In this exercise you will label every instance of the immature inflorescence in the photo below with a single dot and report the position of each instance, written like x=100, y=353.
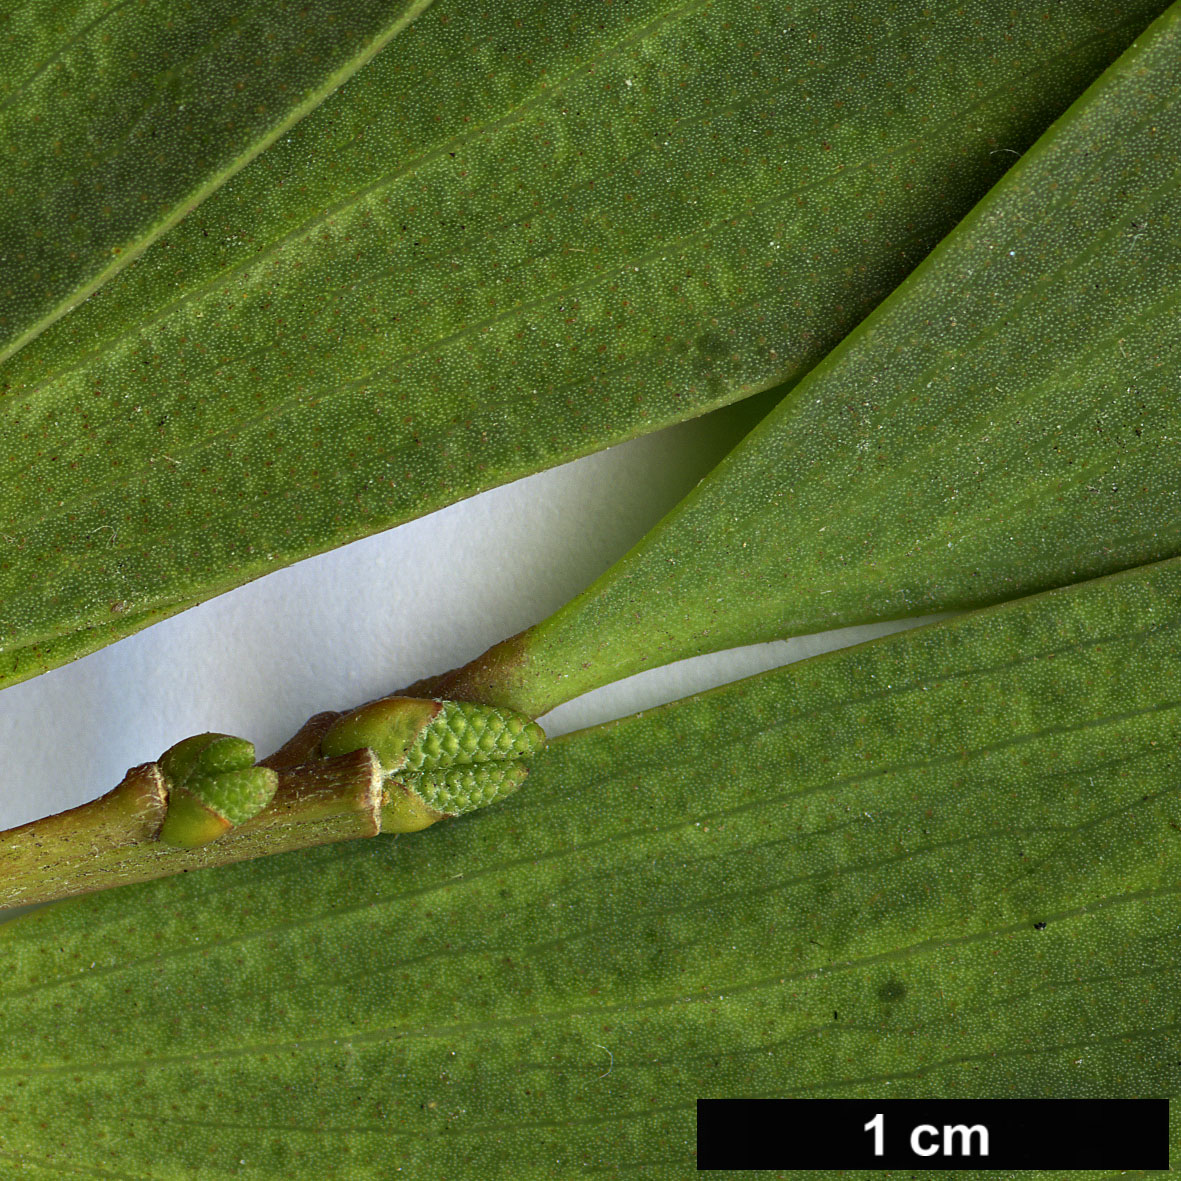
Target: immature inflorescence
x=439, y=758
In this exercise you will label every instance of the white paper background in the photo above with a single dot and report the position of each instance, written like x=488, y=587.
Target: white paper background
x=368, y=619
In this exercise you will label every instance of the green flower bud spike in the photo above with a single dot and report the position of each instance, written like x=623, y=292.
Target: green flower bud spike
x=212, y=785
x=438, y=758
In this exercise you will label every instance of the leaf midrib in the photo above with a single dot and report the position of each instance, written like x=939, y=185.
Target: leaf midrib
x=38, y=71
x=152, y=233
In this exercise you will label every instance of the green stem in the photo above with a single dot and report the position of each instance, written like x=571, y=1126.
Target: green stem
x=396, y=765
x=113, y=840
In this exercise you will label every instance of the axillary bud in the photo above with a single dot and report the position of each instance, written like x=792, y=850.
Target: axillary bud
x=213, y=785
